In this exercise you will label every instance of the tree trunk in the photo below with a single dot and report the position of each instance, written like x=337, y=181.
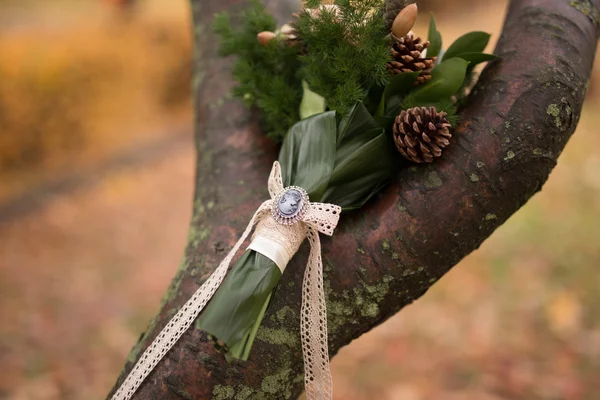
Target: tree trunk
x=517, y=121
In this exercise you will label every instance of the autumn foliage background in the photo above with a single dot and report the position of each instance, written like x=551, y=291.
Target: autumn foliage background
x=96, y=173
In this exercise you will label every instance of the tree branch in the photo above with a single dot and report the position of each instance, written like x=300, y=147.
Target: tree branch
x=519, y=118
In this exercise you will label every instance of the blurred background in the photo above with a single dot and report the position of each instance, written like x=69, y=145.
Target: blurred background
x=96, y=174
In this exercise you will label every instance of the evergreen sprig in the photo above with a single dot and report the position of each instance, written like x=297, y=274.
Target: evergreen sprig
x=340, y=52
x=347, y=50
x=267, y=76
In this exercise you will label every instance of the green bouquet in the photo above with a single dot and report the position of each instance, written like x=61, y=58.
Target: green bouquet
x=342, y=157
x=353, y=94
x=341, y=163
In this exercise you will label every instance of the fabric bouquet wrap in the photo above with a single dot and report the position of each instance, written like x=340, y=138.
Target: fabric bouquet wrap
x=341, y=146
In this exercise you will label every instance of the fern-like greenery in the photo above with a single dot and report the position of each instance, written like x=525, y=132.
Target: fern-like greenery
x=342, y=55
x=347, y=50
x=268, y=77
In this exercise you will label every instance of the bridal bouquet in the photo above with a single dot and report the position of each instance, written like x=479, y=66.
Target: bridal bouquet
x=351, y=92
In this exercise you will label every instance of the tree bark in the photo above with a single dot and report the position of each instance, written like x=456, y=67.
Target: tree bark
x=516, y=123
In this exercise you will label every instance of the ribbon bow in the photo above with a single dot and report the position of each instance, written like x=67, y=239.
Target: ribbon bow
x=314, y=218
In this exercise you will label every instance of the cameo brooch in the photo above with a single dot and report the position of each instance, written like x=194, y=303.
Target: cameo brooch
x=290, y=205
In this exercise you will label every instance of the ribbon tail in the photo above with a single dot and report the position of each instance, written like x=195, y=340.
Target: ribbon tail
x=183, y=319
x=313, y=325
x=275, y=180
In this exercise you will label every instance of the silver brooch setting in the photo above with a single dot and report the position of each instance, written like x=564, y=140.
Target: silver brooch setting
x=290, y=205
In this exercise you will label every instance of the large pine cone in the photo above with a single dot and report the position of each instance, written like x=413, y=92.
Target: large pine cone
x=391, y=8
x=421, y=133
x=406, y=57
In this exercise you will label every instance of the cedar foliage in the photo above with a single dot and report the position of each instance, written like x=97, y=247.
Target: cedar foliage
x=267, y=76
x=341, y=51
x=342, y=55
x=347, y=50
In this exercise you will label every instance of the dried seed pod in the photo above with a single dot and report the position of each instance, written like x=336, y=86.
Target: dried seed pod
x=404, y=21
x=391, y=8
x=265, y=37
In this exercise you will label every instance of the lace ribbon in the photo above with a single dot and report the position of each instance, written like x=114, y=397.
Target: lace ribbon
x=320, y=217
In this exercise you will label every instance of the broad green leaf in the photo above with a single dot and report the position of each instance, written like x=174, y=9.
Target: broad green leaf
x=356, y=178
x=308, y=153
x=289, y=153
x=355, y=142
x=312, y=103
x=446, y=79
x=381, y=107
x=353, y=195
x=475, y=58
x=399, y=85
x=373, y=98
x=435, y=39
x=386, y=122
x=358, y=119
x=356, y=129
x=238, y=306
x=393, y=106
x=359, y=161
x=472, y=42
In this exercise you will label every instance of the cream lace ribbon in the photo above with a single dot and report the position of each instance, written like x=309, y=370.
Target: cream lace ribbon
x=320, y=217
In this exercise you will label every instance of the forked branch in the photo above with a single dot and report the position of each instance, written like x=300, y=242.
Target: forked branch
x=516, y=123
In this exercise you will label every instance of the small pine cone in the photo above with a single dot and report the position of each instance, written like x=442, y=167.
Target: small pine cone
x=421, y=133
x=391, y=8
x=406, y=57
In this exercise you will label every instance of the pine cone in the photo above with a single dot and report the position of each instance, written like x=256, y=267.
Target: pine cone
x=391, y=8
x=421, y=133
x=406, y=57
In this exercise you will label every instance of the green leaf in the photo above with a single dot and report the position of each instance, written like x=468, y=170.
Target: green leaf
x=238, y=306
x=358, y=119
x=472, y=42
x=435, y=39
x=288, y=154
x=446, y=80
x=381, y=107
x=475, y=58
x=353, y=195
x=354, y=165
x=355, y=142
x=399, y=85
x=386, y=121
x=307, y=155
x=312, y=103
x=355, y=130
x=361, y=174
x=373, y=98
x=393, y=106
